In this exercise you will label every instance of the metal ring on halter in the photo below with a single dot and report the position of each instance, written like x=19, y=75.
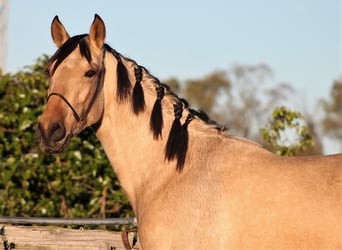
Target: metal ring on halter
x=77, y=117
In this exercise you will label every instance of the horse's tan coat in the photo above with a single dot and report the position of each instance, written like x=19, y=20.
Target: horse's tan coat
x=231, y=194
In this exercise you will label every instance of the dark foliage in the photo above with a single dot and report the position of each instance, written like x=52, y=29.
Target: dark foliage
x=77, y=183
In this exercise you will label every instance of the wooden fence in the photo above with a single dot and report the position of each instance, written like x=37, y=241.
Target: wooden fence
x=28, y=233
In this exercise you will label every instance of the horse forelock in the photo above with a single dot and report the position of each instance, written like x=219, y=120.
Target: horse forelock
x=67, y=48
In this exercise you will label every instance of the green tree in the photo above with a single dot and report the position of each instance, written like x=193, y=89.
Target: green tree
x=287, y=133
x=332, y=121
x=235, y=97
x=253, y=97
x=242, y=98
x=203, y=93
x=77, y=183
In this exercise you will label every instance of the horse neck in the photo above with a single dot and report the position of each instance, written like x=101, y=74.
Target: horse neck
x=136, y=156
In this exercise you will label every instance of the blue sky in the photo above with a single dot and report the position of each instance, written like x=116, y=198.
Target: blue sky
x=299, y=39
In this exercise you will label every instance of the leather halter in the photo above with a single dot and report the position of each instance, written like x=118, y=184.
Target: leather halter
x=81, y=117
x=77, y=117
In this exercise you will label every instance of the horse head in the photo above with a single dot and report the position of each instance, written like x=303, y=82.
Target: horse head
x=75, y=95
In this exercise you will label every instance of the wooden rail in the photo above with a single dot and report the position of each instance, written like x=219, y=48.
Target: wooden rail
x=51, y=237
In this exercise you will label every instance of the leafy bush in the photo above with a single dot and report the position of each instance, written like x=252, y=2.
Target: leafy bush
x=77, y=183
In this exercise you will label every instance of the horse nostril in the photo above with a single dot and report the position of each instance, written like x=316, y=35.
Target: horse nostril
x=57, y=131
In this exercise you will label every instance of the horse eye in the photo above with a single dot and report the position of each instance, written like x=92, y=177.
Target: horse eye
x=90, y=73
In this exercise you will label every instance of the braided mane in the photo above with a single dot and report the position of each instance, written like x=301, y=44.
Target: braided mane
x=177, y=143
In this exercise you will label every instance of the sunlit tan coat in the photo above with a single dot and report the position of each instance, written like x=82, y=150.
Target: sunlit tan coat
x=229, y=194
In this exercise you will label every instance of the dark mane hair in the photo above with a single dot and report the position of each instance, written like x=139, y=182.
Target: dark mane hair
x=124, y=84
x=67, y=48
x=177, y=143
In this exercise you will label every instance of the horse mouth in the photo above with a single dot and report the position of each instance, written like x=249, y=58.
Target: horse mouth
x=53, y=150
x=56, y=147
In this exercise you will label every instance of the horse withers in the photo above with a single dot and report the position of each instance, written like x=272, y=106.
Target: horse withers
x=190, y=184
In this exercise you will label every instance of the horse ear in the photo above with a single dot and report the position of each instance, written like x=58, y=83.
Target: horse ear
x=97, y=33
x=58, y=32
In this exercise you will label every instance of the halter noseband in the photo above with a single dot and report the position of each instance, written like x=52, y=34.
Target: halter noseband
x=77, y=117
x=81, y=117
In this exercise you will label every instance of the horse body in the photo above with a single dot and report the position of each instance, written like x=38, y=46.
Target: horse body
x=243, y=202
x=225, y=193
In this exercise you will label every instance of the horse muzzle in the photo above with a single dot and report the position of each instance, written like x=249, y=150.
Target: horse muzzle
x=53, y=137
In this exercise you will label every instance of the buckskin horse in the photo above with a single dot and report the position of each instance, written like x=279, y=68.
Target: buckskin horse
x=190, y=183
